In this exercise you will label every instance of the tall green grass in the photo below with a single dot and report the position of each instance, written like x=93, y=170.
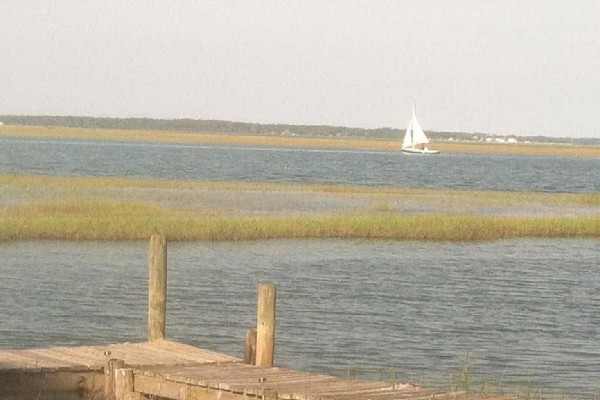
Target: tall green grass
x=113, y=220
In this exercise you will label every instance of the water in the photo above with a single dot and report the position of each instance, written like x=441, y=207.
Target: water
x=348, y=167
x=526, y=311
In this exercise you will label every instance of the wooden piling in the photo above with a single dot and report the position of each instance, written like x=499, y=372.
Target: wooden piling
x=265, y=325
x=157, y=288
x=109, y=377
x=123, y=383
x=250, y=349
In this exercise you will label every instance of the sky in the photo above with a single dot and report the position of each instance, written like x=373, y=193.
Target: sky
x=503, y=67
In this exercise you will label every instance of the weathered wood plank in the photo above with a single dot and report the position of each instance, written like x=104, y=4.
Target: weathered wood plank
x=207, y=371
x=395, y=395
x=134, y=353
x=156, y=386
x=342, y=387
x=276, y=380
x=282, y=385
x=76, y=356
x=195, y=354
x=200, y=393
x=41, y=358
x=301, y=389
x=372, y=393
x=96, y=354
x=155, y=353
x=169, y=356
x=11, y=359
x=241, y=378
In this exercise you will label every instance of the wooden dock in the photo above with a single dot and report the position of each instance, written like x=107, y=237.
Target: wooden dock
x=160, y=368
x=171, y=370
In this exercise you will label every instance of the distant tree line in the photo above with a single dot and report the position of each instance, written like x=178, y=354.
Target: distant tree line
x=230, y=127
x=197, y=125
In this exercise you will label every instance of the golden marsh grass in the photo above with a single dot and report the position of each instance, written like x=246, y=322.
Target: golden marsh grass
x=41, y=207
x=47, y=184
x=209, y=138
x=105, y=220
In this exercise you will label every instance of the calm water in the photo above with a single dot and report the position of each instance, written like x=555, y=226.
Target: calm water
x=190, y=162
x=527, y=311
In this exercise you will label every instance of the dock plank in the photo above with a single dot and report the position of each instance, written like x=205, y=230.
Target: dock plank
x=14, y=359
x=175, y=370
x=199, y=355
x=286, y=383
x=160, y=352
x=42, y=358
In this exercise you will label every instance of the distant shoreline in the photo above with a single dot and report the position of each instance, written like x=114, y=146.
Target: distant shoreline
x=219, y=138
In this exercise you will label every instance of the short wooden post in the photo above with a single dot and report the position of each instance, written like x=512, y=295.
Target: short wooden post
x=250, y=349
x=109, y=377
x=123, y=383
x=157, y=288
x=265, y=325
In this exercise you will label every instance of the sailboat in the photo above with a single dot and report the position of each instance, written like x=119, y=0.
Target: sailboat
x=415, y=139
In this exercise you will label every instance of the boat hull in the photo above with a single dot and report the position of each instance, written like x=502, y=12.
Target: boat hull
x=411, y=150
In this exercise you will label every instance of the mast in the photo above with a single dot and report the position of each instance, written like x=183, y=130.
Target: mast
x=412, y=131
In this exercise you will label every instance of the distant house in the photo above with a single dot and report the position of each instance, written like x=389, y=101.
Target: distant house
x=511, y=140
x=1, y=123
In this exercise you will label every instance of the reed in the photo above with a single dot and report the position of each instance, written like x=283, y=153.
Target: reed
x=129, y=209
x=519, y=148
x=211, y=138
x=113, y=220
x=49, y=186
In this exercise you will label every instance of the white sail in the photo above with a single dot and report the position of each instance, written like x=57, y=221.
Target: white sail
x=415, y=138
x=408, y=136
x=418, y=133
x=414, y=134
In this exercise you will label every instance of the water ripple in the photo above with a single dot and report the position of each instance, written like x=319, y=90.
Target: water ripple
x=524, y=313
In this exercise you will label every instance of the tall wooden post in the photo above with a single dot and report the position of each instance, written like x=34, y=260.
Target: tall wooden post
x=265, y=325
x=157, y=288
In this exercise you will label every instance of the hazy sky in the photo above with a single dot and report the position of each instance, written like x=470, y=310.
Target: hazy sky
x=505, y=67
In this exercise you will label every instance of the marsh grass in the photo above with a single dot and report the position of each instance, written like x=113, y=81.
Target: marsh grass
x=382, y=196
x=114, y=220
x=203, y=138
x=521, y=148
x=42, y=207
x=208, y=138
